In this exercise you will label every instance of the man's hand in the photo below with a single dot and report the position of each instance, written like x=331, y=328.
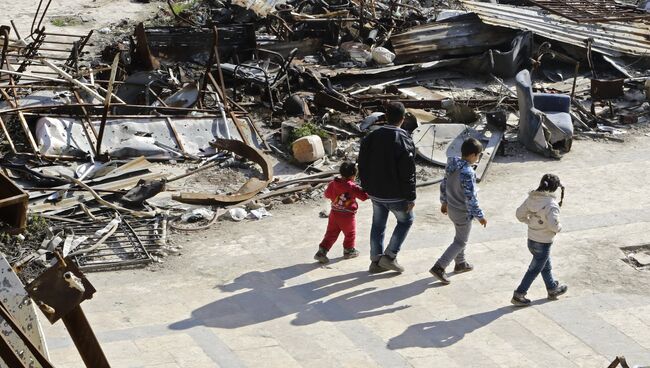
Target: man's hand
x=443, y=208
x=410, y=206
x=483, y=221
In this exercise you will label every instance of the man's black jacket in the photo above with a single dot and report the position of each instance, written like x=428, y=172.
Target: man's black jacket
x=387, y=164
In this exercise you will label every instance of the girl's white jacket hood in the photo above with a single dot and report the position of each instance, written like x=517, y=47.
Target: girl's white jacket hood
x=542, y=214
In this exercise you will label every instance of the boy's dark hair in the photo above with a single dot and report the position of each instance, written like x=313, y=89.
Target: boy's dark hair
x=348, y=169
x=470, y=147
x=395, y=112
x=550, y=183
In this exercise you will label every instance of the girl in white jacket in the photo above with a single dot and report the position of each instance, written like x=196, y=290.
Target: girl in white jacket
x=541, y=213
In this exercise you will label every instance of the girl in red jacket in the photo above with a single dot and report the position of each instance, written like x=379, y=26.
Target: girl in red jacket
x=343, y=193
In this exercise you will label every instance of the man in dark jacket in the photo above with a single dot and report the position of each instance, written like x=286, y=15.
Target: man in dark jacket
x=387, y=173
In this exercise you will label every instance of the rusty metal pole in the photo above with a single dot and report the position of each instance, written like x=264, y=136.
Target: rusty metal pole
x=84, y=339
x=218, y=60
x=107, y=104
x=575, y=79
x=208, y=70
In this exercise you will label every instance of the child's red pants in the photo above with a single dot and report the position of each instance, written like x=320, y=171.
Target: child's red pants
x=340, y=222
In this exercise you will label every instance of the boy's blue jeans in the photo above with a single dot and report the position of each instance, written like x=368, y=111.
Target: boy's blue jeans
x=380, y=212
x=541, y=263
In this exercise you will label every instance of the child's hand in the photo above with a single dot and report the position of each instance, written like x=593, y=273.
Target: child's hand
x=483, y=221
x=443, y=208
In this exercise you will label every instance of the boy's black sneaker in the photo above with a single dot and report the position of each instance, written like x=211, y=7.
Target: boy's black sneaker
x=321, y=257
x=463, y=267
x=439, y=273
x=557, y=291
x=376, y=268
x=350, y=253
x=390, y=264
x=520, y=300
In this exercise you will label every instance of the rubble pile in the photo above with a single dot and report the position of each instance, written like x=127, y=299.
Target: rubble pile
x=221, y=110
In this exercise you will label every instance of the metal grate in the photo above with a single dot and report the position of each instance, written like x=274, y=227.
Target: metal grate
x=127, y=246
x=591, y=11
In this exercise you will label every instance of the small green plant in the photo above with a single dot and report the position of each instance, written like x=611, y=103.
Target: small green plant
x=59, y=22
x=36, y=226
x=66, y=20
x=308, y=129
x=182, y=6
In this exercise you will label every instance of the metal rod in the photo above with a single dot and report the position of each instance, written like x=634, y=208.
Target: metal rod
x=40, y=3
x=575, y=79
x=84, y=339
x=107, y=103
x=6, y=133
x=70, y=79
x=58, y=42
x=63, y=34
x=13, y=25
x=44, y=13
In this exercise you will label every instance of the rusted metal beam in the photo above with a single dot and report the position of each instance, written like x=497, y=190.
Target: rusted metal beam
x=6, y=133
x=23, y=122
x=84, y=339
x=107, y=104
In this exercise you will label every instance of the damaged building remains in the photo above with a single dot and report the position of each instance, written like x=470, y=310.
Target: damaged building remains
x=221, y=110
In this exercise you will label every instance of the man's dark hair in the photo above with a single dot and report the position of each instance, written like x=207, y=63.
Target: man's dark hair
x=471, y=146
x=348, y=169
x=395, y=112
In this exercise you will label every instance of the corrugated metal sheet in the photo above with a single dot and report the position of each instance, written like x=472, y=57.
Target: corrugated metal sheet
x=591, y=11
x=437, y=41
x=612, y=38
x=260, y=7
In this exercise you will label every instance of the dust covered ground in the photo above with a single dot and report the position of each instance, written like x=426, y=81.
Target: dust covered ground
x=249, y=294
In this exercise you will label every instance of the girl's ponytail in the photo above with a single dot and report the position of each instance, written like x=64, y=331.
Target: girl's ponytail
x=550, y=183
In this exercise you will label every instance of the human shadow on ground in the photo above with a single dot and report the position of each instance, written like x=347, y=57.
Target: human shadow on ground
x=363, y=303
x=266, y=297
x=440, y=334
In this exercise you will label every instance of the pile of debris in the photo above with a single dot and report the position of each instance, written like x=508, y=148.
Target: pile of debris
x=224, y=109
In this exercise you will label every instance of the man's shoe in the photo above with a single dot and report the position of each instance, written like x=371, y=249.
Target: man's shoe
x=376, y=268
x=350, y=253
x=321, y=257
x=439, y=273
x=557, y=291
x=519, y=300
x=390, y=264
x=463, y=267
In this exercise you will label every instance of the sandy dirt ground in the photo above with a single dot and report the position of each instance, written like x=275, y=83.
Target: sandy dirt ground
x=250, y=295
x=92, y=14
